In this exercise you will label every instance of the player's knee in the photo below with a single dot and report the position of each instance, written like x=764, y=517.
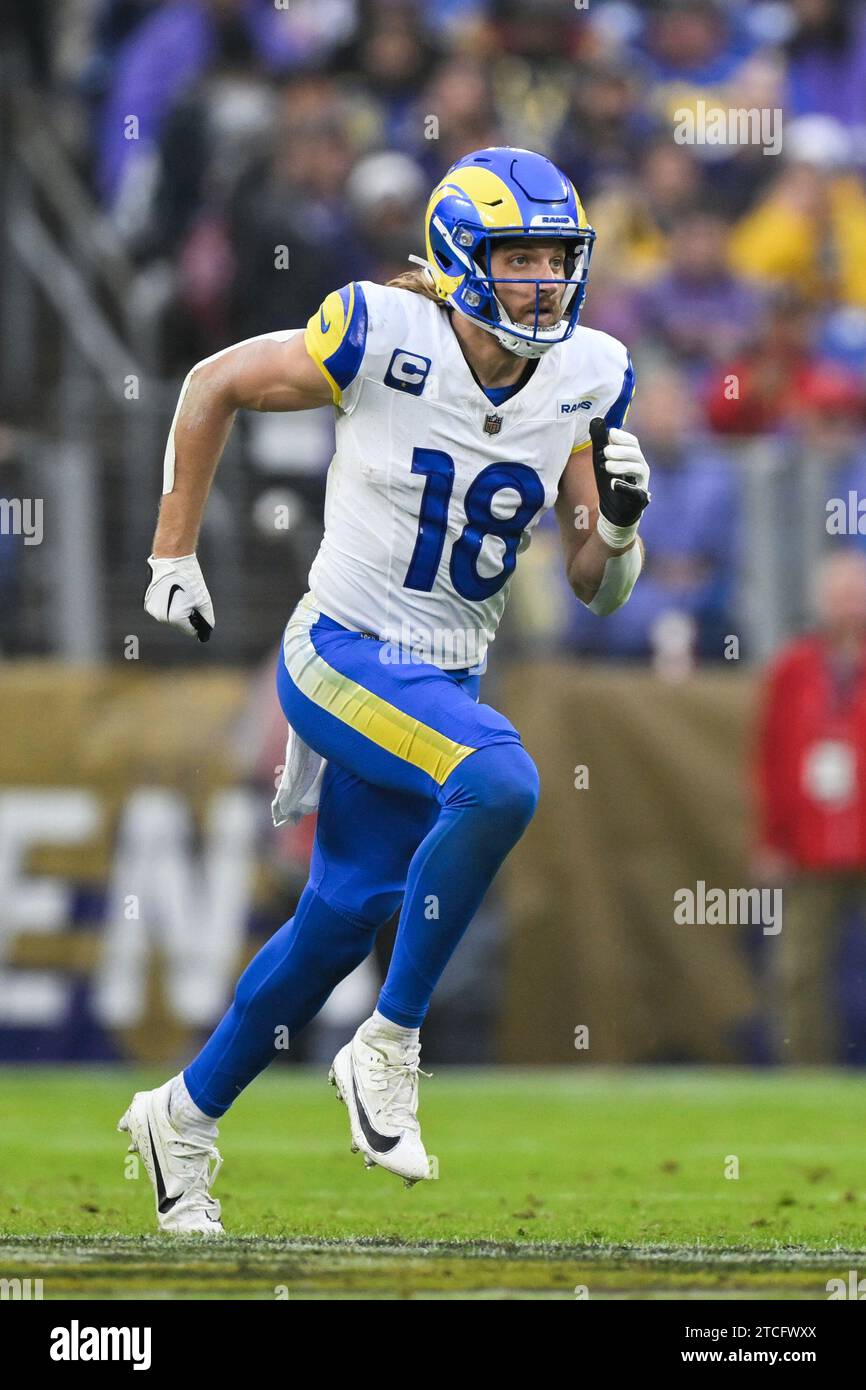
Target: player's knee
x=518, y=789
x=503, y=780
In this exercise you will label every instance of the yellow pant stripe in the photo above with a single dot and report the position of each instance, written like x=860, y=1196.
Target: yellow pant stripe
x=383, y=723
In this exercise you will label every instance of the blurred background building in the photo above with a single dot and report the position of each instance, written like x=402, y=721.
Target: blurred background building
x=177, y=175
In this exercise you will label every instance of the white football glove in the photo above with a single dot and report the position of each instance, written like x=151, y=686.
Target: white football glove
x=621, y=472
x=625, y=456
x=178, y=595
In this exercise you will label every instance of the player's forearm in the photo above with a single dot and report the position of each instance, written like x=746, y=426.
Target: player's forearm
x=199, y=432
x=586, y=574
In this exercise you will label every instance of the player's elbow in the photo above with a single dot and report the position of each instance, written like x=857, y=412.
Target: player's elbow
x=618, y=579
x=205, y=390
x=217, y=385
x=603, y=605
x=582, y=582
x=583, y=588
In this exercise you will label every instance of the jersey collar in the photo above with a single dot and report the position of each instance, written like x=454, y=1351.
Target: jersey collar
x=462, y=387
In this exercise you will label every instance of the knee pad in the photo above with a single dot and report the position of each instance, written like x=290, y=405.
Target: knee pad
x=501, y=779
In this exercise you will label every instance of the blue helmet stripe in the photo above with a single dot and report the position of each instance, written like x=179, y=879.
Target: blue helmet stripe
x=344, y=364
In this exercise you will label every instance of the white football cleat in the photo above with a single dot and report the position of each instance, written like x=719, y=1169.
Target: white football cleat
x=377, y=1080
x=178, y=1163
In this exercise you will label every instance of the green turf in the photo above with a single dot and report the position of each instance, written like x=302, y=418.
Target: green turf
x=547, y=1180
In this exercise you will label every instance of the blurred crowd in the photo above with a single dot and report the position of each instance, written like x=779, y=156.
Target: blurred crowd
x=215, y=132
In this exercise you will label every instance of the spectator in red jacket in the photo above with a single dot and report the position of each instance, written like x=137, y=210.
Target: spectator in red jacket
x=811, y=793
x=758, y=391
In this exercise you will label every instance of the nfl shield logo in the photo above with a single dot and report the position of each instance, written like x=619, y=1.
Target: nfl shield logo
x=493, y=424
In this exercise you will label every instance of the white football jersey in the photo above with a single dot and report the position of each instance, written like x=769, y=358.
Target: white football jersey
x=434, y=491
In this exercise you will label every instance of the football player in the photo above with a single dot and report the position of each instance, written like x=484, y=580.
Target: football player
x=468, y=402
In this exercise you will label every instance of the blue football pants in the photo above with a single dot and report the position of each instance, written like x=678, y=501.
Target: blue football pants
x=424, y=794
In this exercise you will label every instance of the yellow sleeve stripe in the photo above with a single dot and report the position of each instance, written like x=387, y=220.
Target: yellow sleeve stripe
x=336, y=336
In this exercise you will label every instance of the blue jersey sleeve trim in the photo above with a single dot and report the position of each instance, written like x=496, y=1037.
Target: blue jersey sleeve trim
x=345, y=363
x=617, y=413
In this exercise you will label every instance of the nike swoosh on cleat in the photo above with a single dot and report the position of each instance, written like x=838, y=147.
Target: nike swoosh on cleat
x=164, y=1203
x=379, y=1143
x=175, y=589
x=323, y=322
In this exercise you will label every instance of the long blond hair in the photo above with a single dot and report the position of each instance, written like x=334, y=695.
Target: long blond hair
x=418, y=281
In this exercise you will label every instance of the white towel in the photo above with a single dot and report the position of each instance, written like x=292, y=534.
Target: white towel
x=301, y=782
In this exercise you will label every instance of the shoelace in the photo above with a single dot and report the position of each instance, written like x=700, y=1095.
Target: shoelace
x=201, y=1153
x=403, y=1077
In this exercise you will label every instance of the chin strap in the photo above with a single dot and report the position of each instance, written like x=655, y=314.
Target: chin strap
x=425, y=266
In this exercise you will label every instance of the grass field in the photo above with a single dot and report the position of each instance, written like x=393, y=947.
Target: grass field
x=548, y=1180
